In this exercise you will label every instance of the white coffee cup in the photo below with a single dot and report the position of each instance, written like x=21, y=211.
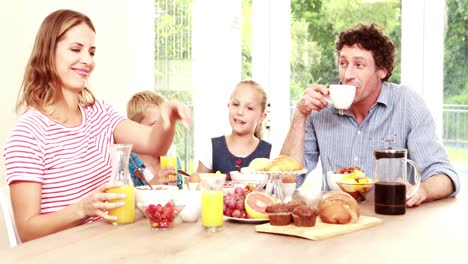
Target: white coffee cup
x=342, y=95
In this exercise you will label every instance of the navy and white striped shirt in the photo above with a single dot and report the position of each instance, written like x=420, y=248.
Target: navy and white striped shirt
x=399, y=115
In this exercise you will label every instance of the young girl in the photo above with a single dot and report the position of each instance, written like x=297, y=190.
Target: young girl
x=57, y=160
x=144, y=108
x=246, y=114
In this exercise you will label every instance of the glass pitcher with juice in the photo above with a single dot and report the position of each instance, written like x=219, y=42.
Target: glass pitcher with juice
x=120, y=154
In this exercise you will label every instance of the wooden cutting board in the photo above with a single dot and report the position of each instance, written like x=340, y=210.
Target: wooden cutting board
x=320, y=230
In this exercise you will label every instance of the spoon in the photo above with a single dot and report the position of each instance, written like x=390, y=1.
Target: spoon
x=183, y=172
x=139, y=174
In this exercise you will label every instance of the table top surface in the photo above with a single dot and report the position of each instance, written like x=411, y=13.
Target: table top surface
x=434, y=232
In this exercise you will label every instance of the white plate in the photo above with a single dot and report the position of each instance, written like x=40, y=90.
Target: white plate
x=276, y=173
x=246, y=220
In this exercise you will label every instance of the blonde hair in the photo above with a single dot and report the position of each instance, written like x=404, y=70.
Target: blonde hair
x=139, y=103
x=263, y=103
x=41, y=83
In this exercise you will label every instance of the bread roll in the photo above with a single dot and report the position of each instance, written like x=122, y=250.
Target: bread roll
x=260, y=164
x=285, y=163
x=337, y=207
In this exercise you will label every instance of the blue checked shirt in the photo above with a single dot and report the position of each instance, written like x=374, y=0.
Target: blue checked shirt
x=399, y=119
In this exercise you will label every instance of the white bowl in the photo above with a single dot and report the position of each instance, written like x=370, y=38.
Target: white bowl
x=193, y=186
x=192, y=200
x=260, y=179
x=332, y=178
x=160, y=194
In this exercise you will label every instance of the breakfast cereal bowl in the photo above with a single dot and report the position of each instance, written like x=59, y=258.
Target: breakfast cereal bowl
x=161, y=216
x=160, y=194
x=357, y=190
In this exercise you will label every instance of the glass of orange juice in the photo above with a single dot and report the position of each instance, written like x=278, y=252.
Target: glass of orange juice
x=212, y=201
x=169, y=161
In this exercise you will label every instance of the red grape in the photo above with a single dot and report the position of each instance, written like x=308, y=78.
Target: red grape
x=236, y=213
x=227, y=212
x=239, y=190
x=240, y=205
x=243, y=214
x=232, y=204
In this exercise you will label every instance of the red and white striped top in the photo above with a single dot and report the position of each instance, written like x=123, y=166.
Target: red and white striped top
x=69, y=162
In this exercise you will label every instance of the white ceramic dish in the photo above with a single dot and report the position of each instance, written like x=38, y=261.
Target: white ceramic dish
x=246, y=220
x=260, y=179
x=247, y=170
x=160, y=194
x=332, y=178
x=192, y=201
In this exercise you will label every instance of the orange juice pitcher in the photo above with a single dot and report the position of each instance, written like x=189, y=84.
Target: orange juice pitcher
x=120, y=154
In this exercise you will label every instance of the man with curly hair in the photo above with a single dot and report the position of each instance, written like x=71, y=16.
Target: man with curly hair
x=382, y=115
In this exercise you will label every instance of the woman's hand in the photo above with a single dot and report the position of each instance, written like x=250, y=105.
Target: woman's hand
x=172, y=111
x=97, y=202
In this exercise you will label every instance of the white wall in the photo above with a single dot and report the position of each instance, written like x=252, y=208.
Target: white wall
x=270, y=63
x=122, y=61
x=216, y=66
x=422, y=52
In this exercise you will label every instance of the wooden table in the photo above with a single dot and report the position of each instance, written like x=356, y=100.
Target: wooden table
x=435, y=232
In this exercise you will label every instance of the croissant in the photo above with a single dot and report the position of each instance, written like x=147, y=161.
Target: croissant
x=337, y=207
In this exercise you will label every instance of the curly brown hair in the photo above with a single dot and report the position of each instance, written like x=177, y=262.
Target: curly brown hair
x=371, y=38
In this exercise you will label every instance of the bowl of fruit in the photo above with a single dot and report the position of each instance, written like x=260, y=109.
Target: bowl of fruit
x=356, y=184
x=161, y=216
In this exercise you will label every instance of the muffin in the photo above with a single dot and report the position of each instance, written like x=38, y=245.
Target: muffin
x=295, y=203
x=278, y=214
x=304, y=216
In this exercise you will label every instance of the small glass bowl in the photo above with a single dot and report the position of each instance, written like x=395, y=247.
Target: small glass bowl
x=161, y=217
x=358, y=191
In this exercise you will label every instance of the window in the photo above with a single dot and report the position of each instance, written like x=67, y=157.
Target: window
x=173, y=63
x=455, y=117
x=314, y=26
